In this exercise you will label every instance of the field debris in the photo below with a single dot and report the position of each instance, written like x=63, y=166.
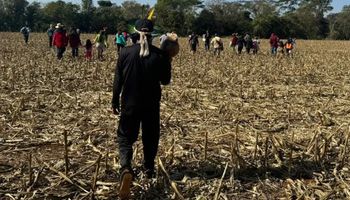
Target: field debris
x=233, y=127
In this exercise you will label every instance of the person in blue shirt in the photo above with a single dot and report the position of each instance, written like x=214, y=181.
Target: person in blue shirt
x=120, y=41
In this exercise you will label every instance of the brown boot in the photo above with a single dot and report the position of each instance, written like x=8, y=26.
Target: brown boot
x=125, y=184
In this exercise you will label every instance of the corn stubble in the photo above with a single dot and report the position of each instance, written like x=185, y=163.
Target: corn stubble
x=234, y=127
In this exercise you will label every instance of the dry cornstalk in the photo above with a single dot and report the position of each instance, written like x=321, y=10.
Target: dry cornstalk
x=94, y=179
x=344, y=154
x=61, y=174
x=291, y=154
x=66, y=159
x=30, y=168
x=205, y=146
x=266, y=152
x=217, y=193
x=172, y=183
x=256, y=145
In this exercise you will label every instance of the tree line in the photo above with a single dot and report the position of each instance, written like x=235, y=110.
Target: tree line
x=306, y=19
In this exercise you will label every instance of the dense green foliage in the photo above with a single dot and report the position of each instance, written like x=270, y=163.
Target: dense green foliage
x=309, y=19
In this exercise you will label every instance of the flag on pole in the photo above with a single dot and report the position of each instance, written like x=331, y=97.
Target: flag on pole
x=151, y=14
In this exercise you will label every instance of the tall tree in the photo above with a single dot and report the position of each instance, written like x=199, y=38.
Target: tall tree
x=230, y=17
x=105, y=3
x=87, y=5
x=133, y=10
x=176, y=14
x=340, y=24
x=33, y=15
x=15, y=11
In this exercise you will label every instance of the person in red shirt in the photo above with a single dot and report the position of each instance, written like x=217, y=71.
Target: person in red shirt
x=233, y=42
x=274, y=43
x=60, y=40
x=74, y=41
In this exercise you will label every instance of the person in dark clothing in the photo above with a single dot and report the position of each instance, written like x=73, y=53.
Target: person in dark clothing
x=74, y=41
x=25, y=31
x=207, y=38
x=140, y=71
x=134, y=37
x=240, y=44
x=193, y=41
x=248, y=43
x=50, y=33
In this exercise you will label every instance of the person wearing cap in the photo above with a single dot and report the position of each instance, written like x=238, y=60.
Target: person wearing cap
x=141, y=70
x=50, y=33
x=25, y=31
x=60, y=40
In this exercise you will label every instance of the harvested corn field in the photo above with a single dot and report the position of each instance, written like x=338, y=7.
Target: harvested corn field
x=232, y=127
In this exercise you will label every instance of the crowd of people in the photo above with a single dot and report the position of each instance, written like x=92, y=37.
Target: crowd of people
x=59, y=39
x=239, y=43
x=212, y=43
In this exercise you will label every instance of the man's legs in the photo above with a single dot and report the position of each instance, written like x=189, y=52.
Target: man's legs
x=26, y=37
x=75, y=52
x=50, y=41
x=150, y=136
x=129, y=125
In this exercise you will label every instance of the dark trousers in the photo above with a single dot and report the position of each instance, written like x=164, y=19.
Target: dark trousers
x=207, y=46
x=59, y=52
x=50, y=41
x=130, y=121
x=240, y=48
x=75, y=52
x=119, y=46
x=26, y=37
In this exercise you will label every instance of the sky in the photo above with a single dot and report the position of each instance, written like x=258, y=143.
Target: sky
x=337, y=4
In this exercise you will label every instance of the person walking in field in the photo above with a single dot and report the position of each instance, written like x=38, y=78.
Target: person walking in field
x=25, y=32
x=193, y=42
x=60, y=40
x=289, y=46
x=120, y=41
x=101, y=43
x=240, y=44
x=140, y=71
x=280, y=48
x=256, y=45
x=274, y=43
x=217, y=44
x=207, y=38
x=50, y=33
x=88, y=49
x=248, y=43
x=233, y=42
x=74, y=41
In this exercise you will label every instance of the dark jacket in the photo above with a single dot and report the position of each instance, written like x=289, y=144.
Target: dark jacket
x=74, y=40
x=139, y=79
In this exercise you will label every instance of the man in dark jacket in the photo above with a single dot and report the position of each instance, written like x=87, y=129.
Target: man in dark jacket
x=140, y=71
x=74, y=41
